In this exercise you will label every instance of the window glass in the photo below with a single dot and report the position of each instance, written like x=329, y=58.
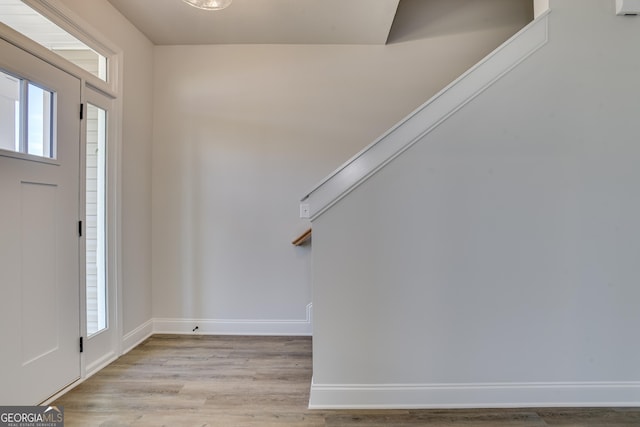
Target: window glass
x=96, y=276
x=26, y=117
x=9, y=112
x=39, y=121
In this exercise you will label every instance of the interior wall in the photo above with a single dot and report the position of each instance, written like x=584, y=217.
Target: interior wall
x=242, y=131
x=137, y=104
x=494, y=263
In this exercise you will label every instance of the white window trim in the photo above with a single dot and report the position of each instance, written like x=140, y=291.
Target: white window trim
x=66, y=19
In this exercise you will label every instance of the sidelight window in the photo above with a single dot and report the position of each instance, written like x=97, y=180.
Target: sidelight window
x=96, y=273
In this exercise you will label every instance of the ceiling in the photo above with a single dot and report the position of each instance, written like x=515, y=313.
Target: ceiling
x=171, y=22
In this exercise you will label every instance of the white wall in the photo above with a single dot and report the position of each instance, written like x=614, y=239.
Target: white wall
x=495, y=263
x=540, y=6
x=136, y=154
x=9, y=94
x=240, y=132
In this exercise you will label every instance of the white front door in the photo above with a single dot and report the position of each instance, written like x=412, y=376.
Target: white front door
x=39, y=242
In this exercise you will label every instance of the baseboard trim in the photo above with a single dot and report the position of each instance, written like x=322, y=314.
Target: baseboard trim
x=97, y=366
x=294, y=327
x=132, y=339
x=499, y=395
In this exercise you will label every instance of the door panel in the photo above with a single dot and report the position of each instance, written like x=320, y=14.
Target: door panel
x=39, y=248
x=39, y=280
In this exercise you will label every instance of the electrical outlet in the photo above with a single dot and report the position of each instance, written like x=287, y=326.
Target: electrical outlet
x=304, y=210
x=627, y=7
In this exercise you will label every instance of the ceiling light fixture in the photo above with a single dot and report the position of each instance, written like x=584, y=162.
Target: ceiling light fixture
x=208, y=4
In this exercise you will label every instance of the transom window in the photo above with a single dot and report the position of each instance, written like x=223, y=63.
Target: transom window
x=25, y=20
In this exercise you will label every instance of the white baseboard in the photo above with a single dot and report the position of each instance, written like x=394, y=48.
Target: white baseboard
x=503, y=395
x=135, y=337
x=96, y=366
x=294, y=327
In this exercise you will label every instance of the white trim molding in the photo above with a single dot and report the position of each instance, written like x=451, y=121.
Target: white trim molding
x=134, y=338
x=58, y=13
x=485, y=395
x=540, y=7
x=285, y=327
x=426, y=118
x=102, y=362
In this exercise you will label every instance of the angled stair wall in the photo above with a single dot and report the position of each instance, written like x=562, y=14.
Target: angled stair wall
x=483, y=253
x=426, y=118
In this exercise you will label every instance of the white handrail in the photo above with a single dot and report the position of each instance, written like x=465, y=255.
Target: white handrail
x=426, y=118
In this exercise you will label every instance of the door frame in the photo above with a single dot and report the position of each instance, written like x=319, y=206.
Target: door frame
x=73, y=24
x=104, y=346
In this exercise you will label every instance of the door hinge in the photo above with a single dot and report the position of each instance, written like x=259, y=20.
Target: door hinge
x=80, y=228
x=81, y=345
x=81, y=111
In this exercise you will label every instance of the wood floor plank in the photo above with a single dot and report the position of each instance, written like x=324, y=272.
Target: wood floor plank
x=231, y=381
x=438, y=418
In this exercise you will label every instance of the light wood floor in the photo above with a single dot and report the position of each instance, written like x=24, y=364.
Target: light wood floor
x=190, y=381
